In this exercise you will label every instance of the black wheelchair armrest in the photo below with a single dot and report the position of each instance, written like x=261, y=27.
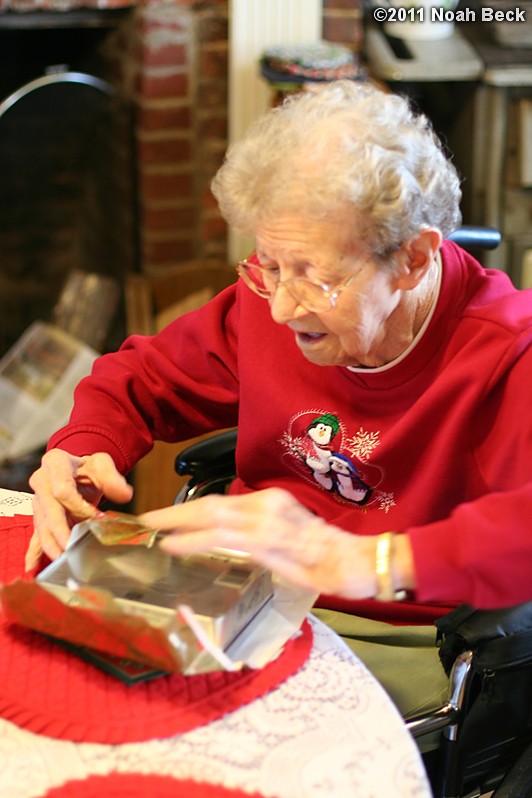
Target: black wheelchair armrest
x=211, y=458
x=471, y=237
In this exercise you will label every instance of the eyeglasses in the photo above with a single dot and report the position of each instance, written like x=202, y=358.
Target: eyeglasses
x=314, y=297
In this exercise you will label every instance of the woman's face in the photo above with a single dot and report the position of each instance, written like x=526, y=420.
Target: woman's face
x=366, y=326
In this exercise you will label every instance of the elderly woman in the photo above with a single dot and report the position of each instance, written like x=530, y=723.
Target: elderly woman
x=376, y=372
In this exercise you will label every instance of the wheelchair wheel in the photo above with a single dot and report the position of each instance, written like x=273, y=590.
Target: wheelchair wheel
x=518, y=781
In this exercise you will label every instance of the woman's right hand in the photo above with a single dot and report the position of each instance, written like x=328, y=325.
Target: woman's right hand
x=68, y=489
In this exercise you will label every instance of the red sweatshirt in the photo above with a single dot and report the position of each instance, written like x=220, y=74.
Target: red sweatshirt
x=437, y=445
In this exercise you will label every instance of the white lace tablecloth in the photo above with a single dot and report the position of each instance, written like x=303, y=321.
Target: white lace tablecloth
x=329, y=731
x=13, y=502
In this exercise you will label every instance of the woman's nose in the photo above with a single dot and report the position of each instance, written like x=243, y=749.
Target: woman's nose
x=284, y=307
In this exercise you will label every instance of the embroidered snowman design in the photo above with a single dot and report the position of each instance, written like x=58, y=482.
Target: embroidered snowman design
x=318, y=450
x=346, y=479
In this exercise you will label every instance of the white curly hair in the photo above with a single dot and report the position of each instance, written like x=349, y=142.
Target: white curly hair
x=347, y=144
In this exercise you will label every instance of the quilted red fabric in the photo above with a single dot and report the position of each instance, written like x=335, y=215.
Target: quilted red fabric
x=50, y=691
x=126, y=785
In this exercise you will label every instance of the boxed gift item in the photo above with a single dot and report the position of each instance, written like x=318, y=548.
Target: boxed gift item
x=114, y=590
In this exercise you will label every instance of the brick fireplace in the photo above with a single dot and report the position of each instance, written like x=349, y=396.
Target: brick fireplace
x=172, y=58
x=168, y=61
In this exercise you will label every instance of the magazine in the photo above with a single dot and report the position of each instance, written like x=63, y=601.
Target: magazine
x=37, y=380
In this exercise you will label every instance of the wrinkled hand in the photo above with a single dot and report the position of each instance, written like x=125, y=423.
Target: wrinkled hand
x=279, y=533
x=67, y=490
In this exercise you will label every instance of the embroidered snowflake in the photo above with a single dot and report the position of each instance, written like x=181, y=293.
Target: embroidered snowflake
x=292, y=445
x=386, y=501
x=363, y=443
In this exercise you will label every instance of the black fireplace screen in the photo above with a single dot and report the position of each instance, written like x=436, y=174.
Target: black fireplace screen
x=66, y=192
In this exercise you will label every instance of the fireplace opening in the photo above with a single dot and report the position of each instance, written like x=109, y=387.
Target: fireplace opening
x=68, y=192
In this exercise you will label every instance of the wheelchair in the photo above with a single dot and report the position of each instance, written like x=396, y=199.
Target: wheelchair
x=476, y=746
x=479, y=742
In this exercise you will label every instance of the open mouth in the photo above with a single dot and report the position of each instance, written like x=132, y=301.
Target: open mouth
x=309, y=337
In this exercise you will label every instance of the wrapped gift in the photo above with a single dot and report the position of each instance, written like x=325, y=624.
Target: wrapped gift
x=115, y=591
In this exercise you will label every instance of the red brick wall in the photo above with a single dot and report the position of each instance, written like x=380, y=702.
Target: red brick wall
x=342, y=22
x=172, y=58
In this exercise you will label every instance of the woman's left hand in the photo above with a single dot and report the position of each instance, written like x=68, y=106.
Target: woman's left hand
x=279, y=533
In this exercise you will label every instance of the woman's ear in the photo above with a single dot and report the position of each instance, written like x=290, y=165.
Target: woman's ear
x=420, y=252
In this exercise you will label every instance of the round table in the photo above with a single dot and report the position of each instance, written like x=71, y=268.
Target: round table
x=328, y=731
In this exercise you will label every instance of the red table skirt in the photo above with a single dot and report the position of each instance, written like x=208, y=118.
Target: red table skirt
x=135, y=785
x=48, y=690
